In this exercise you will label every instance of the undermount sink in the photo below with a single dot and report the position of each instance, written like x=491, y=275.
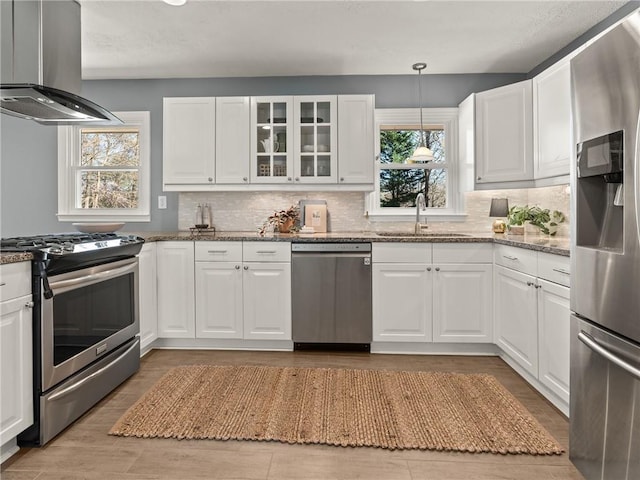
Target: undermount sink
x=424, y=234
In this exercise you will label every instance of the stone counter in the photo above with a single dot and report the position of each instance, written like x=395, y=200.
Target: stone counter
x=541, y=243
x=14, y=257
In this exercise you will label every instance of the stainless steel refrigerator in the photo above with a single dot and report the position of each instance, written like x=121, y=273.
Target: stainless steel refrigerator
x=605, y=257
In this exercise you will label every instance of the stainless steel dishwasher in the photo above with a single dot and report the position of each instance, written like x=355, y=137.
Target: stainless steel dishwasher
x=331, y=295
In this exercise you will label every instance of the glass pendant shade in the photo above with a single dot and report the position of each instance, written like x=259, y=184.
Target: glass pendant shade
x=421, y=154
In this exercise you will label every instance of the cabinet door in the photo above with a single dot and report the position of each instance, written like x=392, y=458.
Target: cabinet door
x=271, y=139
x=16, y=367
x=148, y=295
x=315, y=139
x=355, y=139
x=402, y=302
x=504, y=134
x=267, y=300
x=218, y=300
x=466, y=143
x=188, y=142
x=553, y=333
x=552, y=121
x=516, y=325
x=232, y=149
x=176, y=304
x=462, y=303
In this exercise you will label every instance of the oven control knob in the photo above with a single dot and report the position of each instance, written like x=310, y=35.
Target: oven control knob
x=67, y=247
x=55, y=249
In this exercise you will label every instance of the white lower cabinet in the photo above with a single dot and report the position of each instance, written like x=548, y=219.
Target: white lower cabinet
x=532, y=317
x=554, y=338
x=421, y=302
x=219, y=300
x=16, y=360
x=462, y=303
x=516, y=317
x=176, y=306
x=148, y=295
x=401, y=302
x=267, y=300
x=243, y=290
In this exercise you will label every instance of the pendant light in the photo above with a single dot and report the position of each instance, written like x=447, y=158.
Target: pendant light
x=422, y=154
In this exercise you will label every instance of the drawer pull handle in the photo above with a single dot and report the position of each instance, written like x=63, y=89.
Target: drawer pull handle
x=561, y=270
x=216, y=251
x=265, y=251
x=3, y=284
x=509, y=257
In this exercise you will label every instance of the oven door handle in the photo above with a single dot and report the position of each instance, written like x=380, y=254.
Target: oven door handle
x=593, y=344
x=92, y=278
x=77, y=385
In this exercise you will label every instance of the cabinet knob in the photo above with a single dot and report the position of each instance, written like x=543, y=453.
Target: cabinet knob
x=211, y=179
x=237, y=267
x=437, y=269
x=244, y=179
x=297, y=179
x=479, y=178
x=289, y=179
x=246, y=267
x=538, y=286
x=342, y=179
x=29, y=304
x=428, y=269
x=529, y=284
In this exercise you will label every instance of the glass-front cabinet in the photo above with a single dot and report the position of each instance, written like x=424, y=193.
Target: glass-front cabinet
x=315, y=140
x=271, y=139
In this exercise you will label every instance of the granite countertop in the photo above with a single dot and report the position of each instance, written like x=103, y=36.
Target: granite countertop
x=540, y=243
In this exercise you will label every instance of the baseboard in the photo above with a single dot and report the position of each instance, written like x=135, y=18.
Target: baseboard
x=8, y=449
x=426, y=348
x=223, y=344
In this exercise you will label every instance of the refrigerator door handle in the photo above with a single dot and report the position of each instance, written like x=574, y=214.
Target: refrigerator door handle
x=590, y=342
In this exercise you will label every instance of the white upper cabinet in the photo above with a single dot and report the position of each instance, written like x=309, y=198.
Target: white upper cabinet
x=355, y=139
x=233, y=121
x=315, y=139
x=552, y=121
x=504, y=134
x=271, y=139
x=188, y=142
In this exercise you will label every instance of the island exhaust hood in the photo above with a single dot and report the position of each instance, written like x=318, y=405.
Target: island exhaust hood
x=41, y=64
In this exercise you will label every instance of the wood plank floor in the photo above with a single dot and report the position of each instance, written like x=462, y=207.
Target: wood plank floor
x=85, y=451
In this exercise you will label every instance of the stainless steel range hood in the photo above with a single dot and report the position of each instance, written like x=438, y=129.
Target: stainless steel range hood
x=41, y=64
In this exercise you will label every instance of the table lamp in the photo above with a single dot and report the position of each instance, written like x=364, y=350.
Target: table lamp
x=499, y=208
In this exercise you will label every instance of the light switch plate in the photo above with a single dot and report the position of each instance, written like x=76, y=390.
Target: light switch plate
x=162, y=202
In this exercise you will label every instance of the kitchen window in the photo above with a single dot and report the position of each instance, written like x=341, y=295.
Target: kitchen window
x=397, y=182
x=103, y=172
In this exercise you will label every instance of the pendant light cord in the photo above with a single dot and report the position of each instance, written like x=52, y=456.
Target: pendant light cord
x=419, y=67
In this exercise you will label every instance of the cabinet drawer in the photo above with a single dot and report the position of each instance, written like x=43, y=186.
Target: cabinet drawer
x=462, y=253
x=554, y=268
x=218, y=251
x=520, y=259
x=15, y=280
x=266, y=251
x=401, y=252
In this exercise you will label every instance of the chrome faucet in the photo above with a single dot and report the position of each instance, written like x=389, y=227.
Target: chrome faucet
x=420, y=203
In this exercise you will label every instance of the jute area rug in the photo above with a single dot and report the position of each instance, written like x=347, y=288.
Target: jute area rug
x=376, y=408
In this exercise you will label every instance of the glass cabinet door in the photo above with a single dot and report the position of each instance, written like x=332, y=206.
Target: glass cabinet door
x=315, y=142
x=271, y=139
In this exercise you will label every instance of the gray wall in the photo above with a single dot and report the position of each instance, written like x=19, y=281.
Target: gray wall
x=28, y=151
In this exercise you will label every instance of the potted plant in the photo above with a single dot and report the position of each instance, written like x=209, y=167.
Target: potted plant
x=283, y=220
x=542, y=218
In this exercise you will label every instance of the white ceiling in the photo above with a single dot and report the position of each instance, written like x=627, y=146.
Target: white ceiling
x=239, y=38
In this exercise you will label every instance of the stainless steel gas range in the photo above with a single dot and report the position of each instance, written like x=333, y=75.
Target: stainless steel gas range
x=85, y=323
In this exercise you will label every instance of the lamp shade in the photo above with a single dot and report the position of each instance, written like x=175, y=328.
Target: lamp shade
x=421, y=155
x=499, y=207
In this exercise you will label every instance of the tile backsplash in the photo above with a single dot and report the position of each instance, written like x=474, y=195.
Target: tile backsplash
x=246, y=211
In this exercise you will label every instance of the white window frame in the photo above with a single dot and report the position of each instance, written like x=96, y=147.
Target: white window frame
x=448, y=118
x=69, y=162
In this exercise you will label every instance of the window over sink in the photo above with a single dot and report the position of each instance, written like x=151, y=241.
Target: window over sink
x=398, y=182
x=103, y=172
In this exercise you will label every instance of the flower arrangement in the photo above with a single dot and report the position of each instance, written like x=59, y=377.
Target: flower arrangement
x=284, y=221
x=547, y=221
